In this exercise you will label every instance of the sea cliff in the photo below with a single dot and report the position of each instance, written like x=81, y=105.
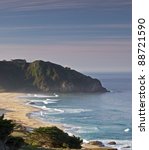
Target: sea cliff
x=19, y=75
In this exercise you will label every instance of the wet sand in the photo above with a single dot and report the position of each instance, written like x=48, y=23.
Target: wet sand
x=17, y=110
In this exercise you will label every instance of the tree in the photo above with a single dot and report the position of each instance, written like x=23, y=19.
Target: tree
x=6, y=128
x=15, y=143
x=7, y=141
x=53, y=137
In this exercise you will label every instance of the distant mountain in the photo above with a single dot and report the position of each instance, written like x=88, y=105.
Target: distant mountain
x=19, y=75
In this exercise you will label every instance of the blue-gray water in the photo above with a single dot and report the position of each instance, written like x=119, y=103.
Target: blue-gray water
x=91, y=116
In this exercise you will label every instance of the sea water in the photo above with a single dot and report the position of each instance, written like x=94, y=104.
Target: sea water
x=105, y=117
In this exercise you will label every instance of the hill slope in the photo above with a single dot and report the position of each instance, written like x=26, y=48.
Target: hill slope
x=19, y=75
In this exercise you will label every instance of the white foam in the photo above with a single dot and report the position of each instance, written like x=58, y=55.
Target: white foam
x=51, y=110
x=39, y=96
x=41, y=101
x=45, y=102
x=44, y=107
x=85, y=141
x=71, y=110
x=127, y=130
x=87, y=117
x=56, y=95
x=49, y=102
x=70, y=134
x=45, y=96
x=59, y=110
x=53, y=119
x=52, y=100
x=76, y=130
x=120, y=144
x=35, y=101
x=87, y=130
x=41, y=113
x=41, y=107
x=79, y=129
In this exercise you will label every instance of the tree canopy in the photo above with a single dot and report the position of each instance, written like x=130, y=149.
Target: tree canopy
x=6, y=140
x=53, y=137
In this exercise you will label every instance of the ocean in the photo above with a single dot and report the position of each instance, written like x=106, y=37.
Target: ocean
x=104, y=117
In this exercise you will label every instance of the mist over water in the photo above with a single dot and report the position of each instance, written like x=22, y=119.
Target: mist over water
x=91, y=116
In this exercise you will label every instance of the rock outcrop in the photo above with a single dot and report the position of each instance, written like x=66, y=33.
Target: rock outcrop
x=19, y=75
x=97, y=143
x=112, y=143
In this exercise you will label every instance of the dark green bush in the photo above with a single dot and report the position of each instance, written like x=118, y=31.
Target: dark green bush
x=15, y=143
x=53, y=137
x=6, y=140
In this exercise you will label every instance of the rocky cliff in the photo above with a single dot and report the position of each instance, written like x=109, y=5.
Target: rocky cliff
x=19, y=75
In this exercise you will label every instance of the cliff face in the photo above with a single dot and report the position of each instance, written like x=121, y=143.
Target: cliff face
x=44, y=76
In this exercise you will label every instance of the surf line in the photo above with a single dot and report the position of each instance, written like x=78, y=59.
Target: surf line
x=141, y=110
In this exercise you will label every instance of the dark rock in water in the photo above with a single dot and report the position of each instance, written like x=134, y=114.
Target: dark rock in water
x=112, y=143
x=98, y=143
x=32, y=103
x=19, y=75
x=127, y=147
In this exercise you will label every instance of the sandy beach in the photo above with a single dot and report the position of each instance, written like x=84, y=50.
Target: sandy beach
x=17, y=110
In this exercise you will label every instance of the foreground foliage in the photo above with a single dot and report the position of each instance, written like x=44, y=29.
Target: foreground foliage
x=53, y=137
x=14, y=137
x=8, y=142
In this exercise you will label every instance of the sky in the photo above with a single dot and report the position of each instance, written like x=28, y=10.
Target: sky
x=86, y=35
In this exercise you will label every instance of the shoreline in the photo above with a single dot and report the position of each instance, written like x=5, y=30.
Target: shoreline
x=16, y=109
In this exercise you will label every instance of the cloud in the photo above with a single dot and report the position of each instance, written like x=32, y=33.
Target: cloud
x=60, y=33
x=67, y=27
x=101, y=45
x=89, y=32
x=59, y=39
x=31, y=5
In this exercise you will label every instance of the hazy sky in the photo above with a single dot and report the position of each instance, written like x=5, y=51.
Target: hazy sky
x=87, y=35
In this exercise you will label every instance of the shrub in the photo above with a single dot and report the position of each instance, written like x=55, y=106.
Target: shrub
x=6, y=128
x=15, y=143
x=6, y=140
x=53, y=137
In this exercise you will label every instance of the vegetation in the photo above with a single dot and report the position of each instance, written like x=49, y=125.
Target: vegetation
x=39, y=139
x=44, y=76
x=53, y=137
x=6, y=140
